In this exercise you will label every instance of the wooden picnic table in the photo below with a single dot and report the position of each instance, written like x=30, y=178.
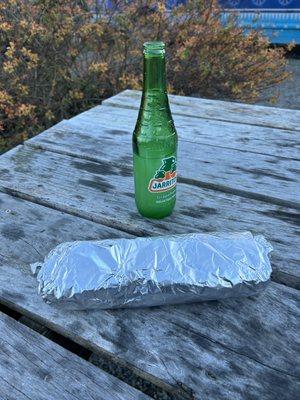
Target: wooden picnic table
x=238, y=170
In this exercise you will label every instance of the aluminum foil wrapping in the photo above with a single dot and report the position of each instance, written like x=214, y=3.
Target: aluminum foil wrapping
x=154, y=271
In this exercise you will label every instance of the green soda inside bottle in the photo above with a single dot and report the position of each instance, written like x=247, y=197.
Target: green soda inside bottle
x=155, y=140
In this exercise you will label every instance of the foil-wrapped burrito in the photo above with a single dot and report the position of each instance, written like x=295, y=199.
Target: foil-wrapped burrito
x=154, y=271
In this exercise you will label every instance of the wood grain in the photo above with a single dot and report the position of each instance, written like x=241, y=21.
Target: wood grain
x=260, y=176
x=238, y=348
x=103, y=192
x=241, y=136
x=32, y=367
x=218, y=110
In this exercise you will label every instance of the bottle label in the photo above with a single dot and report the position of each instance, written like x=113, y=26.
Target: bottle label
x=165, y=177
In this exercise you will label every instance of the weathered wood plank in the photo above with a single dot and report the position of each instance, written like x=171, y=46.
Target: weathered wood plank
x=103, y=192
x=243, y=137
x=243, y=348
x=218, y=110
x=37, y=368
x=18, y=219
x=9, y=392
x=264, y=177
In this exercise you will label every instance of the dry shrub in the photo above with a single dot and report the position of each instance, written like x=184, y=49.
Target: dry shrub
x=57, y=57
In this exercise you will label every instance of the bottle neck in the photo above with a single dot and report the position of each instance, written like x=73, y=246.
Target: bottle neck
x=154, y=73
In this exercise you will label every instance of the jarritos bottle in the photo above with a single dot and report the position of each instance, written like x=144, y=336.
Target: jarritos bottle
x=155, y=140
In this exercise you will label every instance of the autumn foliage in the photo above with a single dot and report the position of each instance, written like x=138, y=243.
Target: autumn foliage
x=59, y=57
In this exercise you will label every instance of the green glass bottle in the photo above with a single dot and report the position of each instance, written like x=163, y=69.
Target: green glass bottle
x=155, y=140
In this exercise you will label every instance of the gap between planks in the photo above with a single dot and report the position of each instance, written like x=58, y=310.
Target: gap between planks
x=249, y=138
x=44, y=146
x=188, y=181
x=181, y=392
x=194, y=116
x=62, y=326
x=44, y=361
x=80, y=213
x=184, y=217
x=287, y=279
x=80, y=351
x=208, y=108
x=129, y=224
x=87, y=346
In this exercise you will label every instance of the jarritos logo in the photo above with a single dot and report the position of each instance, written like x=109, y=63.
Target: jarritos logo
x=165, y=177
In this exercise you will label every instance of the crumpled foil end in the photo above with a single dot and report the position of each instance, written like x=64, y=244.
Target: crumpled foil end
x=153, y=271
